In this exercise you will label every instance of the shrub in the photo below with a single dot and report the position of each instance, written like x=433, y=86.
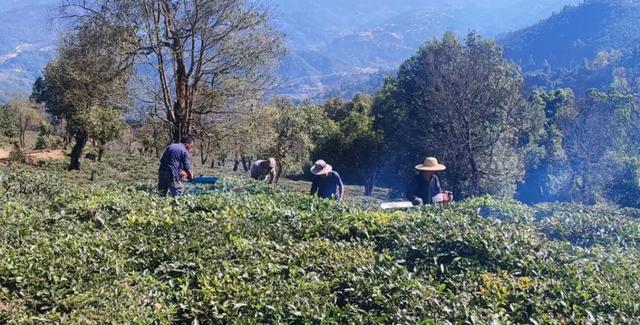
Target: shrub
x=246, y=253
x=41, y=143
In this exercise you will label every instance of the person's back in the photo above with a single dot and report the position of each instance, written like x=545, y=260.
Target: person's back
x=423, y=189
x=326, y=182
x=257, y=172
x=264, y=170
x=175, y=164
x=425, y=185
x=173, y=159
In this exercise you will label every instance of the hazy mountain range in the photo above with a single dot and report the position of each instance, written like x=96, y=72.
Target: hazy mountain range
x=594, y=45
x=576, y=33
x=28, y=36
x=336, y=44
x=335, y=47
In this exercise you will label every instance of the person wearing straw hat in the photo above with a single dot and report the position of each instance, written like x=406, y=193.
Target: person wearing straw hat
x=326, y=182
x=426, y=184
x=264, y=170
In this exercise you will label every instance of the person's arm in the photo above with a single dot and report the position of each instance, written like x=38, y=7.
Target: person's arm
x=273, y=174
x=314, y=186
x=340, y=186
x=188, y=167
x=412, y=188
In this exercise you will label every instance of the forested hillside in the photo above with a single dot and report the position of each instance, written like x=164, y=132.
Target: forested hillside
x=329, y=51
x=28, y=37
x=576, y=34
x=593, y=45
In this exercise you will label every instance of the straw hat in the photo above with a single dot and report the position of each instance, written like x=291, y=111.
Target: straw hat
x=320, y=168
x=431, y=165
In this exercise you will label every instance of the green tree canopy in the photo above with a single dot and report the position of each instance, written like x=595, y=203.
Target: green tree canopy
x=88, y=73
x=353, y=145
x=548, y=173
x=20, y=115
x=460, y=101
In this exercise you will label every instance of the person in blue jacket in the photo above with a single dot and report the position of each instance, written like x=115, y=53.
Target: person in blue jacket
x=175, y=166
x=326, y=182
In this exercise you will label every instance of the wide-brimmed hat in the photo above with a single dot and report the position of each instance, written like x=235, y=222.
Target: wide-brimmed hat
x=320, y=168
x=431, y=164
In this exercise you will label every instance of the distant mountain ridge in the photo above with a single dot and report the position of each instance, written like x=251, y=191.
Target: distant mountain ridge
x=381, y=38
x=28, y=38
x=593, y=45
x=337, y=47
x=577, y=33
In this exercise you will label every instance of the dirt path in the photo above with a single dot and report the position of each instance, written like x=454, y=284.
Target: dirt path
x=35, y=156
x=40, y=155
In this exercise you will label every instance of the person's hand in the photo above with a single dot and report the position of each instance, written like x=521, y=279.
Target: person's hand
x=183, y=175
x=417, y=202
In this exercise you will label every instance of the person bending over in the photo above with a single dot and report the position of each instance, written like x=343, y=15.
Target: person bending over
x=264, y=170
x=175, y=166
x=326, y=182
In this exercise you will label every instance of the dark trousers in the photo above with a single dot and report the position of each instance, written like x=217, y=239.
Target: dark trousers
x=169, y=184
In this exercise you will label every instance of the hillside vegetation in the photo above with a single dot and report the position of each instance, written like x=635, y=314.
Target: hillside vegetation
x=575, y=34
x=593, y=45
x=334, y=43
x=247, y=253
x=28, y=37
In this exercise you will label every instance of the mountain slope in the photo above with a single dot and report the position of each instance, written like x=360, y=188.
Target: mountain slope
x=28, y=36
x=332, y=42
x=365, y=37
x=575, y=34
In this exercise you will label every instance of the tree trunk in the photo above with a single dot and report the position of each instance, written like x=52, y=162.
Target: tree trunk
x=66, y=141
x=203, y=156
x=475, y=177
x=245, y=165
x=22, y=132
x=475, y=173
x=369, y=184
x=76, y=152
x=235, y=165
x=279, y=169
x=184, y=91
x=100, y=151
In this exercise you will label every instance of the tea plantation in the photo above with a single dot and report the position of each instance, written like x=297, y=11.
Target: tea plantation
x=245, y=253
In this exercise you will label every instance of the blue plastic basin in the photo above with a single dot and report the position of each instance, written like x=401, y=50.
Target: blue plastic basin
x=205, y=180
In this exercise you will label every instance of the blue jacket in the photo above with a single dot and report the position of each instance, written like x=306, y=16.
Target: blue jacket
x=175, y=158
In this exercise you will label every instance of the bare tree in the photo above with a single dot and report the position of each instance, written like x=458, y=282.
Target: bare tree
x=25, y=114
x=205, y=54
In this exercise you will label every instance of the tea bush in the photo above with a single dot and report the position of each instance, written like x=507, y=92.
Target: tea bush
x=242, y=252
